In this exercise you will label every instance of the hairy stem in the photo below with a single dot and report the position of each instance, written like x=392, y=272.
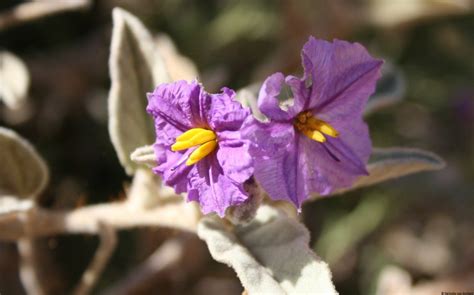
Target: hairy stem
x=86, y=220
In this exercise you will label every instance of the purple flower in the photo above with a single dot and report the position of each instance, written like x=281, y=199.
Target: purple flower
x=198, y=145
x=319, y=143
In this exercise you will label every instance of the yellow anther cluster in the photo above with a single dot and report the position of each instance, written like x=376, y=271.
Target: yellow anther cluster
x=314, y=128
x=206, y=139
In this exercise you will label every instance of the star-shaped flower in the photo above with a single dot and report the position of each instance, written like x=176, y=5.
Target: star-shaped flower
x=319, y=143
x=198, y=145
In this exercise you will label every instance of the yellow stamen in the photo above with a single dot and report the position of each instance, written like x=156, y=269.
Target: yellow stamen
x=323, y=127
x=191, y=133
x=201, y=152
x=314, y=135
x=314, y=128
x=318, y=136
x=329, y=130
x=193, y=137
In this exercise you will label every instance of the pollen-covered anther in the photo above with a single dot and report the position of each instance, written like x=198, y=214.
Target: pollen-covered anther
x=201, y=152
x=204, y=138
x=314, y=128
x=314, y=135
x=193, y=137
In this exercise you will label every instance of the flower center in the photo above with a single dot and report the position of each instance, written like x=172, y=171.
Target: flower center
x=314, y=128
x=204, y=138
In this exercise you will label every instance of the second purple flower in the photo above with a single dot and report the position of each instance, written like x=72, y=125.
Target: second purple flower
x=319, y=142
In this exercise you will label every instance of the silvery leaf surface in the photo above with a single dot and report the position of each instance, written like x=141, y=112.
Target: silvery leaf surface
x=14, y=80
x=23, y=173
x=144, y=156
x=270, y=254
x=395, y=162
x=136, y=68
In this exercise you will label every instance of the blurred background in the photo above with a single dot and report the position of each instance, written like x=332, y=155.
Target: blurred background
x=416, y=230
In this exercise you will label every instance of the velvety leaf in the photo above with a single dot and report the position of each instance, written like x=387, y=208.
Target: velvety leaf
x=270, y=254
x=390, y=89
x=389, y=163
x=136, y=68
x=23, y=172
x=14, y=80
x=144, y=155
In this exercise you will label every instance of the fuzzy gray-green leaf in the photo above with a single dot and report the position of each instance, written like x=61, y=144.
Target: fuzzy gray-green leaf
x=390, y=163
x=270, y=254
x=23, y=172
x=136, y=67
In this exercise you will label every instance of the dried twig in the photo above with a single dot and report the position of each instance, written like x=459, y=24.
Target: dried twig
x=30, y=11
x=165, y=257
x=26, y=250
x=85, y=220
x=108, y=241
x=28, y=274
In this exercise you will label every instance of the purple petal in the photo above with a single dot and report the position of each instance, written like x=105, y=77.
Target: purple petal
x=342, y=74
x=266, y=138
x=290, y=166
x=327, y=167
x=199, y=109
x=300, y=94
x=171, y=167
x=166, y=133
x=167, y=100
x=354, y=135
x=274, y=149
x=341, y=152
x=233, y=156
x=213, y=189
x=268, y=102
x=225, y=112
